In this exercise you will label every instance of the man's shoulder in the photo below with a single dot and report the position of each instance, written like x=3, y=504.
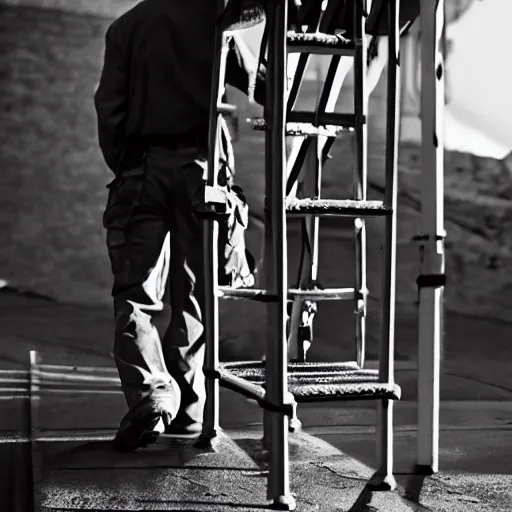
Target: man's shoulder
x=131, y=17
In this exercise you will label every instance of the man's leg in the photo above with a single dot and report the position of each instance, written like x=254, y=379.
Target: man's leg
x=184, y=341
x=138, y=245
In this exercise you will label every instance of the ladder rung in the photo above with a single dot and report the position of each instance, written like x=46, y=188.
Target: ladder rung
x=305, y=129
x=329, y=294
x=311, y=382
x=341, y=391
x=342, y=208
x=327, y=118
x=318, y=43
x=226, y=108
x=226, y=292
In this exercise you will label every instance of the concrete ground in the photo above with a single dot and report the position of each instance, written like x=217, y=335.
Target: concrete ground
x=332, y=459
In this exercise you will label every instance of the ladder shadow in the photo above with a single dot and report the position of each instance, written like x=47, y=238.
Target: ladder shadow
x=363, y=501
x=179, y=462
x=89, y=454
x=410, y=496
x=408, y=491
x=413, y=486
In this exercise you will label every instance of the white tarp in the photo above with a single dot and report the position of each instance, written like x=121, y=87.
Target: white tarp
x=478, y=116
x=480, y=75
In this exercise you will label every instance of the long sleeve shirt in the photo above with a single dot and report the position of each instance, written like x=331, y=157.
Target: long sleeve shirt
x=157, y=74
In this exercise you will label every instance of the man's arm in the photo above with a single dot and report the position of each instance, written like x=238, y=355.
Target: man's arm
x=111, y=103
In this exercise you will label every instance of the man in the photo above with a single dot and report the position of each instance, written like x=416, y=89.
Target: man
x=152, y=105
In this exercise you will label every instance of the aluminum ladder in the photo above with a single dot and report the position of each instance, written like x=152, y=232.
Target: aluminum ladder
x=285, y=379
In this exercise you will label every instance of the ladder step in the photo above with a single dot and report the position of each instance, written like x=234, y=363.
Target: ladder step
x=319, y=43
x=226, y=292
x=335, y=391
x=342, y=207
x=226, y=108
x=320, y=381
x=327, y=118
x=304, y=129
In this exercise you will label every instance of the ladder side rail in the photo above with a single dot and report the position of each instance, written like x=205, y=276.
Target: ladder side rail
x=211, y=424
x=387, y=343
x=276, y=274
x=431, y=279
x=360, y=174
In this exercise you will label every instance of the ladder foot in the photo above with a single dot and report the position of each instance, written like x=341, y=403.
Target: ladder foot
x=295, y=425
x=381, y=481
x=284, y=502
x=207, y=439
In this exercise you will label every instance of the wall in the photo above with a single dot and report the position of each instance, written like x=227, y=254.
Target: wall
x=53, y=178
x=100, y=8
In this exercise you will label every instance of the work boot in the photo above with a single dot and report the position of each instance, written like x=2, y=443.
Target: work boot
x=149, y=418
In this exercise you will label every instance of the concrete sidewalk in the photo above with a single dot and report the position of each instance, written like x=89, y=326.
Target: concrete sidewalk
x=332, y=459
x=173, y=475
x=76, y=468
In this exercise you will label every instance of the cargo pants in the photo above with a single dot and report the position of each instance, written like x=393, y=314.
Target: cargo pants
x=154, y=244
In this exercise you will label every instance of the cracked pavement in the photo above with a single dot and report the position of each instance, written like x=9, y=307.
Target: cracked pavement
x=331, y=461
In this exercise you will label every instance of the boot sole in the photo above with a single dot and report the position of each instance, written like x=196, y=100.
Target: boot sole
x=133, y=438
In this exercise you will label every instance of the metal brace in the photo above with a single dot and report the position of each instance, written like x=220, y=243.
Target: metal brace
x=432, y=260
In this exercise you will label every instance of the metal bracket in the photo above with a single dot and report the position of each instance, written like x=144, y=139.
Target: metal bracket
x=360, y=308
x=432, y=260
x=288, y=407
x=215, y=205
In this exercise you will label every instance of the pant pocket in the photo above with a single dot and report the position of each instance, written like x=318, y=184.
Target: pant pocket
x=123, y=197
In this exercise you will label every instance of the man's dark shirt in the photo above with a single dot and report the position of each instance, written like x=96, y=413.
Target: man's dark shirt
x=157, y=74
